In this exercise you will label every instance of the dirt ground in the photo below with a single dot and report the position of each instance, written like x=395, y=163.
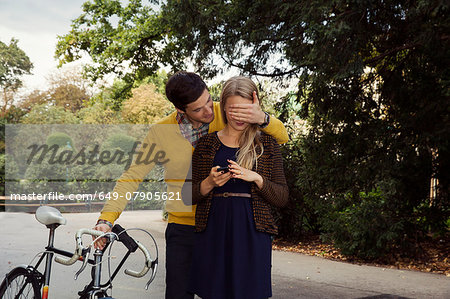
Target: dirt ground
x=432, y=255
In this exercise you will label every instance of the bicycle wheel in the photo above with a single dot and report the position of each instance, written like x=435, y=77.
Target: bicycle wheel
x=19, y=283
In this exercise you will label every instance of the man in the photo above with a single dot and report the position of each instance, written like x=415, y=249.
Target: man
x=196, y=115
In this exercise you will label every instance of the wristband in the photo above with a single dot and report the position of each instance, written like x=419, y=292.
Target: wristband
x=101, y=221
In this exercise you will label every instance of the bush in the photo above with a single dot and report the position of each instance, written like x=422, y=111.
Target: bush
x=47, y=114
x=119, y=140
x=59, y=138
x=297, y=218
x=362, y=226
x=368, y=206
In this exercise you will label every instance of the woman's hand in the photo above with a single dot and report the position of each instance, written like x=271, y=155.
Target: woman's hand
x=214, y=179
x=245, y=174
x=218, y=178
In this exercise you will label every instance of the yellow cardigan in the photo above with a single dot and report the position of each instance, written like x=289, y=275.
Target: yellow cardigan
x=165, y=144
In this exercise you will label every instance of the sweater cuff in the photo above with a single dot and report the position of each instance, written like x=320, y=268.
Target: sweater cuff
x=109, y=216
x=197, y=196
x=264, y=191
x=102, y=221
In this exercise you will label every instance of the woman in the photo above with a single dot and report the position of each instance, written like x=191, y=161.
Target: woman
x=232, y=254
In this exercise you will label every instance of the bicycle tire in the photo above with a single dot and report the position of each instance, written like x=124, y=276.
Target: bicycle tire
x=20, y=283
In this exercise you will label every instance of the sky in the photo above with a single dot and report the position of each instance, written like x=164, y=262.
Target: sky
x=36, y=24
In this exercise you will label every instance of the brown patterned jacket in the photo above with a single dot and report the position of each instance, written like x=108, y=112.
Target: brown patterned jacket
x=270, y=167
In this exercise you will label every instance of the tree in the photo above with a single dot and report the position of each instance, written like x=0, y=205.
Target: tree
x=129, y=47
x=159, y=80
x=146, y=106
x=69, y=89
x=98, y=113
x=121, y=89
x=33, y=98
x=14, y=63
x=114, y=104
x=48, y=114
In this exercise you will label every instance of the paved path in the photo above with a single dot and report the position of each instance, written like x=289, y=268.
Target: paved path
x=293, y=275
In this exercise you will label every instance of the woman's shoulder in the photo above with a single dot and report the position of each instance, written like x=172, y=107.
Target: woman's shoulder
x=267, y=139
x=210, y=136
x=208, y=139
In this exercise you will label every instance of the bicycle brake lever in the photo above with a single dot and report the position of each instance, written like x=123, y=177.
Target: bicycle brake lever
x=154, y=267
x=85, y=257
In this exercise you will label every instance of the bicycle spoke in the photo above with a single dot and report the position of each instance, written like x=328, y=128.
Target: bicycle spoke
x=19, y=287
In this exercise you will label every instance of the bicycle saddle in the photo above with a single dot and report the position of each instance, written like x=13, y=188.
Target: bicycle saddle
x=49, y=215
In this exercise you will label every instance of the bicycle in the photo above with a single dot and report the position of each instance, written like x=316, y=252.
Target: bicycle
x=25, y=281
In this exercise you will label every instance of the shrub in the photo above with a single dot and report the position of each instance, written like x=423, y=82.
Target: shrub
x=119, y=140
x=59, y=138
x=362, y=225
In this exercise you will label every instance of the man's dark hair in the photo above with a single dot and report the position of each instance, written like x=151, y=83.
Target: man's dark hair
x=183, y=88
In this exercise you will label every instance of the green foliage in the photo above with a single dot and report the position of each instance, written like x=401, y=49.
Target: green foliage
x=248, y=35
x=364, y=226
x=215, y=90
x=376, y=108
x=121, y=141
x=159, y=80
x=142, y=101
x=297, y=218
x=45, y=114
x=98, y=113
x=14, y=63
x=124, y=40
x=61, y=139
x=47, y=176
x=146, y=106
x=115, y=95
x=8, y=173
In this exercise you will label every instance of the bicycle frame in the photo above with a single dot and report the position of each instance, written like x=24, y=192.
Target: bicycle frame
x=94, y=288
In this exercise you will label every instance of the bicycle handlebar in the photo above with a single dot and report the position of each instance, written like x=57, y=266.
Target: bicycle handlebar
x=147, y=266
x=132, y=245
x=79, y=246
x=149, y=263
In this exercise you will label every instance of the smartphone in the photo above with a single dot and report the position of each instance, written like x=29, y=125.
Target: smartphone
x=224, y=169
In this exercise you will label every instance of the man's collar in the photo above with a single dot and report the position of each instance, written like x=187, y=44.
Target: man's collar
x=182, y=119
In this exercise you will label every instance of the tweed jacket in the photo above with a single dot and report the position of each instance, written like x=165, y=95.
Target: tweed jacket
x=270, y=166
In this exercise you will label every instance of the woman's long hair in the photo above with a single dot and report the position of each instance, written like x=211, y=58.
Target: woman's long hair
x=247, y=155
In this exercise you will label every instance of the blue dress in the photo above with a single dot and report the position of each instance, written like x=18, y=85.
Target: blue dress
x=231, y=259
